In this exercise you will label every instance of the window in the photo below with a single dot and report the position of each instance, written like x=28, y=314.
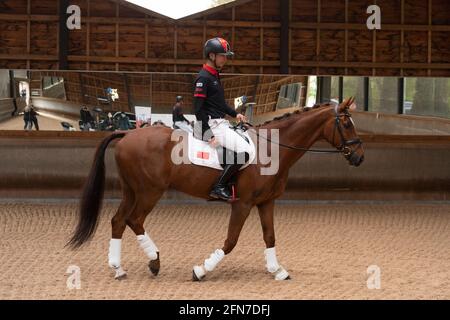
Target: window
x=334, y=92
x=289, y=95
x=383, y=95
x=354, y=87
x=48, y=82
x=4, y=84
x=311, y=92
x=53, y=87
x=427, y=96
x=422, y=96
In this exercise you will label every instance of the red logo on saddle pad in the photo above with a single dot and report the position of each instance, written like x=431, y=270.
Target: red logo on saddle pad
x=203, y=155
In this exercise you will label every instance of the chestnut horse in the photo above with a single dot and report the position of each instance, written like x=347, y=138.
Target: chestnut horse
x=146, y=171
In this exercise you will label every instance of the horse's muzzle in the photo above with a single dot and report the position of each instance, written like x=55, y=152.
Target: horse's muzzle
x=355, y=160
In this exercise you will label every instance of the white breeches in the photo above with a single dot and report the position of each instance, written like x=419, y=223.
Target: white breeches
x=227, y=137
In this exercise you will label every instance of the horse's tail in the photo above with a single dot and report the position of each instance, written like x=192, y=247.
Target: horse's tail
x=92, y=196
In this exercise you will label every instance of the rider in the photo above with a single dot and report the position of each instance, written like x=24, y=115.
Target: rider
x=179, y=120
x=210, y=110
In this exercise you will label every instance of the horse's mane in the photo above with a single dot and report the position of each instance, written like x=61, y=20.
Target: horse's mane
x=300, y=111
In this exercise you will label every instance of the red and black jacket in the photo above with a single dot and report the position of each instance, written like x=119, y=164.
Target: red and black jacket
x=209, y=99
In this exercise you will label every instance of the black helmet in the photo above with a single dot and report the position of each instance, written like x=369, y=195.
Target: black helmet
x=217, y=46
x=179, y=98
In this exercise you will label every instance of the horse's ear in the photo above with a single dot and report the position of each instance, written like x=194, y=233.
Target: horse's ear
x=343, y=105
x=350, y=102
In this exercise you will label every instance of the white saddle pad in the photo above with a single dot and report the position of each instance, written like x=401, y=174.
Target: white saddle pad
x=202, y=154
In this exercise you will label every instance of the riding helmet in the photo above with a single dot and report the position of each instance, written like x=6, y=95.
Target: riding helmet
x=217, y=46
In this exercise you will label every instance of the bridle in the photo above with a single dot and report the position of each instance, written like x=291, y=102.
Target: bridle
x=343, y=148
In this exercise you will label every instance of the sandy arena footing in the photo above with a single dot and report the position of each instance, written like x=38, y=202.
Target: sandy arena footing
x=327, y=248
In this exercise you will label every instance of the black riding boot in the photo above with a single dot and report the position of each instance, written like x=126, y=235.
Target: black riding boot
x=220, y=189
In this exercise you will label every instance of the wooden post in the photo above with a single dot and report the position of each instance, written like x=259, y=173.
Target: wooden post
x=117, y=34
x=430, y=6
x=401, y=94
x=366, y=93
x=402, y=36
x=63, y=48
x=284, y=37
x=175, y=46
x=374, y=48
x=318, y=35
x=88, y=34
x=12, y=90
x=261, y=35
x=146, y=42
x=233, y=32
x=204, y=35
x=346, y=37
x=28, y=32
x=127, y=88
x=323, y=89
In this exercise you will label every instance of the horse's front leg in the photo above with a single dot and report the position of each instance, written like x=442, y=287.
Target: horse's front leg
x=266, y=215
x=239, y=214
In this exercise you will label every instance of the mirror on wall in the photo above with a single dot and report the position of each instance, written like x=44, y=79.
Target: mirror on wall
x=106, y=101
x=99, y=101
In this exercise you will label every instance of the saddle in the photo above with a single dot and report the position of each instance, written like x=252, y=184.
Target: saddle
x=202, y=154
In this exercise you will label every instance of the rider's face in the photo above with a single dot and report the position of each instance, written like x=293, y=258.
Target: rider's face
x=221, y=60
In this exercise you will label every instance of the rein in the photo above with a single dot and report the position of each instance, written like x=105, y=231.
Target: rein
x=343, y=148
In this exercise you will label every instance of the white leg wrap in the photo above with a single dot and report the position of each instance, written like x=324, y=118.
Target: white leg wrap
x=115, y=247
x=273, y=266
x=271, y=260
x=214, y=259
x=148, y=246
x=210, y=264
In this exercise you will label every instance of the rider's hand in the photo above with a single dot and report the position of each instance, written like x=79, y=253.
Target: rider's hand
x=241, y=118
x=212, y=142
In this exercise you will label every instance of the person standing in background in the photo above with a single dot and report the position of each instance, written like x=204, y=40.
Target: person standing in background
x=86, y=118
x=33, y=117
x=178, y=118
x=124, y=122
x=27, y=118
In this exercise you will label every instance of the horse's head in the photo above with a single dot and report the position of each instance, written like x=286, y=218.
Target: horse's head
x=340, y=131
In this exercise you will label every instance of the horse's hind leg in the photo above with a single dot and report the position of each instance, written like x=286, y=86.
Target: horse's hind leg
x=144, y=203
x=118, y=225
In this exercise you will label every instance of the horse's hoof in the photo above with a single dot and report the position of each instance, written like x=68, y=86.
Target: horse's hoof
x=198, y=273
x=121, y=277
x=154, y=266
x=282, y=274
x=120, y=274
x=194, y=276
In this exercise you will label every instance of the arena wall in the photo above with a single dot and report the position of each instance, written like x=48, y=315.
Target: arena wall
x=55, y=165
